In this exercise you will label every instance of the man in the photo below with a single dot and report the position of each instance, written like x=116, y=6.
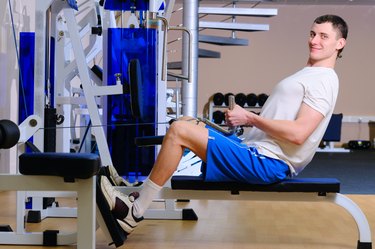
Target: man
x=281, y=142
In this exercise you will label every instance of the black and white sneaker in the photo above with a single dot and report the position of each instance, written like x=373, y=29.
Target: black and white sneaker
x=116, y=180
x=121, y=205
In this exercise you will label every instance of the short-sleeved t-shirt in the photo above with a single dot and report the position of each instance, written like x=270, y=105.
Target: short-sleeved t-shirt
x=315, y=86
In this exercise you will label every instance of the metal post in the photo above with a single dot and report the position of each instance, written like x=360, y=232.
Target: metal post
x=189, y=89
x=41, y=44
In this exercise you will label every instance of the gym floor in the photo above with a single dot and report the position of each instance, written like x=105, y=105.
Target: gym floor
x=227, y=225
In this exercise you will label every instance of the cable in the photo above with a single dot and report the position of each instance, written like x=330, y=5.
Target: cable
x=105, y=125
x=18, y=58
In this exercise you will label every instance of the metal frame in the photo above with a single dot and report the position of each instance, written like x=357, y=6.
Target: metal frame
x=364, y=231
x=57, y=19
x=50, y=22
x=190, y=165
x=86, y=209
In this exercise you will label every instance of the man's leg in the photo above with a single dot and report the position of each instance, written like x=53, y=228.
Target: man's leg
x=181, y=134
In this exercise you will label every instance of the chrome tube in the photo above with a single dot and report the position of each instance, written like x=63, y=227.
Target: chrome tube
x=187, y=77
x=189, y=88
x=164, y=59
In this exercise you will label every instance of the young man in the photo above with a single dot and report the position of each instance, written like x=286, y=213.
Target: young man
x=281, y=142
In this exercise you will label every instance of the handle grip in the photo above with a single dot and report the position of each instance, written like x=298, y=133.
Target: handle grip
x=231, y=102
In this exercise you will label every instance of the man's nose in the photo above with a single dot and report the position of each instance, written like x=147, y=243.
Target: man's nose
x=314, y=39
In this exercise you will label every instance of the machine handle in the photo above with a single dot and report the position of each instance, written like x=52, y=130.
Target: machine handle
x=164, y=65
x=190, y=65
x=231, y=103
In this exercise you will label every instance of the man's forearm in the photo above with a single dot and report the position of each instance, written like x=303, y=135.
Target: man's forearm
x=284, y=130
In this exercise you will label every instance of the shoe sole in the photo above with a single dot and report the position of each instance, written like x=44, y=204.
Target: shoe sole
x=105, y=183
x=117, y=233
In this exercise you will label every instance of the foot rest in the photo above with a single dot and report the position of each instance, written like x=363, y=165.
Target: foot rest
x=67, y=165
x=318, y=185
x=117, y=234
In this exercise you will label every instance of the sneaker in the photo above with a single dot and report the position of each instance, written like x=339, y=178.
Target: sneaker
x=111, y=173
x=121, y=205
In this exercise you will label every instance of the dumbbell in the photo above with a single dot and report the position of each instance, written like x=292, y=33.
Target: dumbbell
x=218, y=117
x=240, y=99
x=218, y=99
x=262, y=98
x=226, y=98
x=9, y=134
x=251, y=99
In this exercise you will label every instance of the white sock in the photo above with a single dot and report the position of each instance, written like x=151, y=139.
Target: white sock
x=147, y=194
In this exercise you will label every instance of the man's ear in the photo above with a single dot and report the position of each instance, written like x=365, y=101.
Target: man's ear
x=341, y=43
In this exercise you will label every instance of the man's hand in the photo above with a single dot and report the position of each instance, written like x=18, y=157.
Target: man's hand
x=238, y=117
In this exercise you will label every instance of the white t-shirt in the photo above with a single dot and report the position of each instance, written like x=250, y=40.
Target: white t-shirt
x=315, y=86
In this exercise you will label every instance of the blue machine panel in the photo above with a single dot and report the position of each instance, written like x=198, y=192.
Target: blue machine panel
x=124, y=45
x=73, y=4
x=125, y=5
x=26, y=89
x=51, y=73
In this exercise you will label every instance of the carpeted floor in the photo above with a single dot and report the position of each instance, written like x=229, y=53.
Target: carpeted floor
x=355, y=170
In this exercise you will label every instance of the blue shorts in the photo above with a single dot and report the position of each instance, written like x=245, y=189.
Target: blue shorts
x=229, y=160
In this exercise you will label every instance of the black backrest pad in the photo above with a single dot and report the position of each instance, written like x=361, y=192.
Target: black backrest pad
x=319, y=185
x=67, y=165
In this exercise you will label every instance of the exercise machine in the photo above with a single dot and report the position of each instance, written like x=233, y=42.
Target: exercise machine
x=63, y=172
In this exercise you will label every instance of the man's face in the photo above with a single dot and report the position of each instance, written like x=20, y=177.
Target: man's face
x=324, y=42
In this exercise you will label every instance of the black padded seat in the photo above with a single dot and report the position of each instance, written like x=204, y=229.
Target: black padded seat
x=67, y=165
x=317, y=185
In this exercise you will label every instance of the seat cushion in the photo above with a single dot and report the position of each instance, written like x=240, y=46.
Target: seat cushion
x=319, y=185
x=67, y=165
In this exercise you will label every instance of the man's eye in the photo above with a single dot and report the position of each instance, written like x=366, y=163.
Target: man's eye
x=324, y=37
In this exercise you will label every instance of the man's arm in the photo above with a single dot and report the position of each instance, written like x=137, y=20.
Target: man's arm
x=294, y=131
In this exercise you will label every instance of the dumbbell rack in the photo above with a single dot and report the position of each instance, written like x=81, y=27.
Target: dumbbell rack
x=212, y=107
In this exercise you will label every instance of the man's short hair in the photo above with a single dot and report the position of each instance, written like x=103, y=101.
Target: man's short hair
x=338, y=23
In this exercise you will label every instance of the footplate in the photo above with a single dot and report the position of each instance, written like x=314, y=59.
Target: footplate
x=118, y=235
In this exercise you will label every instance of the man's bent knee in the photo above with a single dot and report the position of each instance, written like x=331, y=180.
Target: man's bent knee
x=192, y=120
x=182, y=131
x=186, y=118
x=188, y=135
